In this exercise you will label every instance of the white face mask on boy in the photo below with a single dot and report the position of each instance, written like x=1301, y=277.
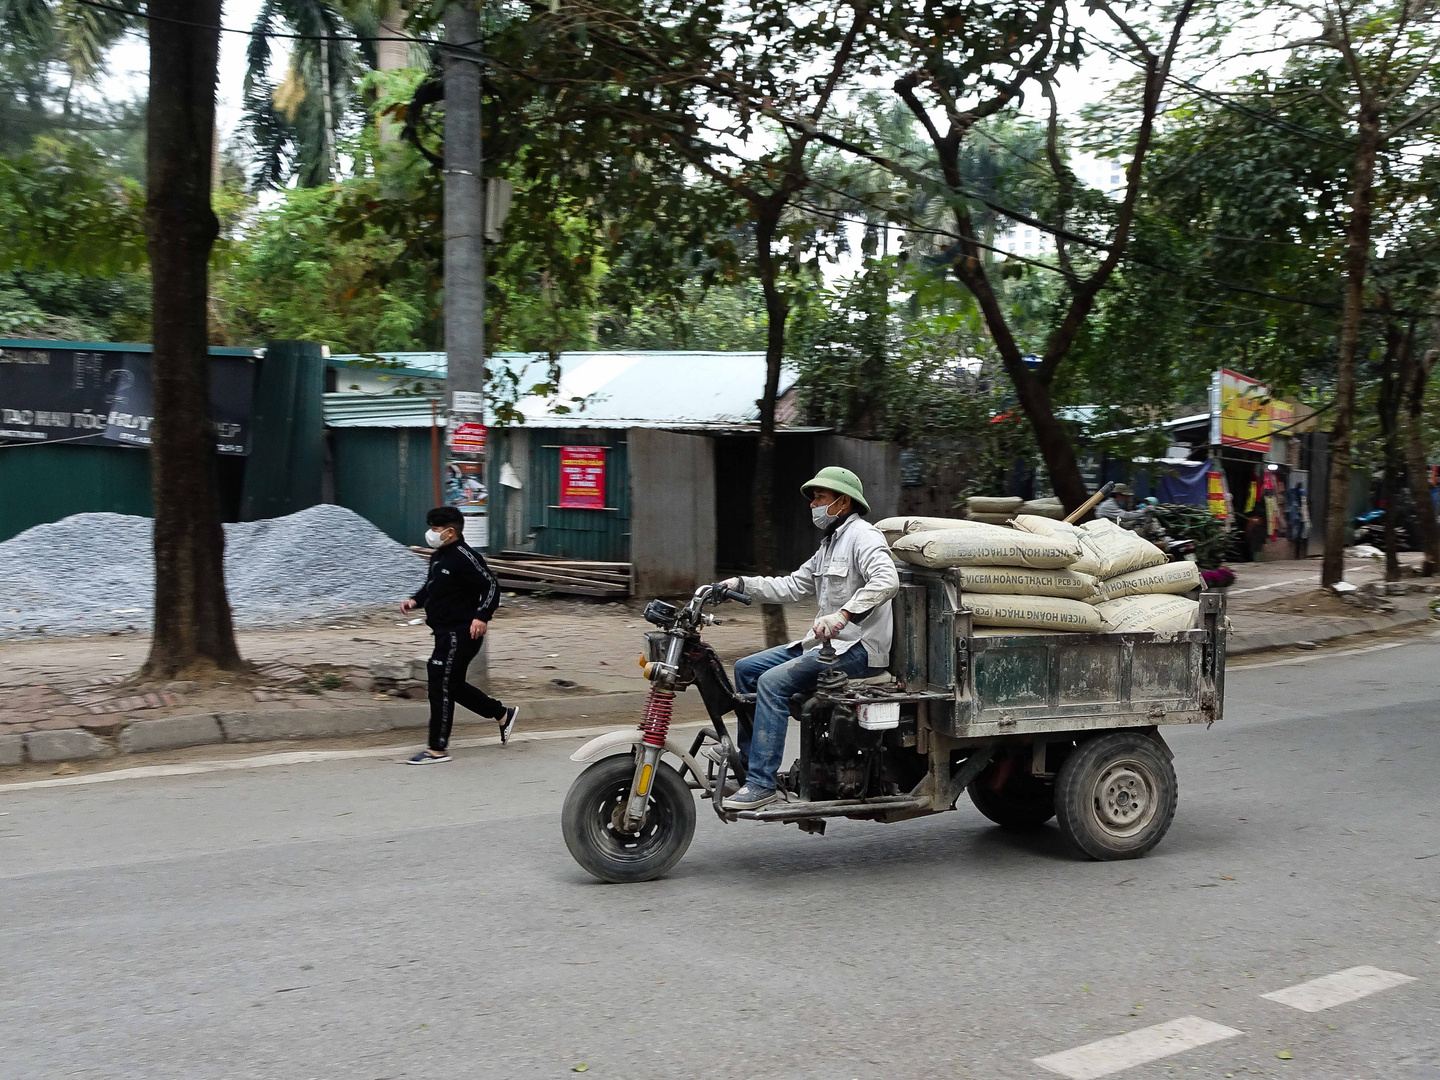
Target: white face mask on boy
x=433, y=538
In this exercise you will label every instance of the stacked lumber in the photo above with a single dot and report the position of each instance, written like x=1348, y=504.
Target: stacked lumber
x=527, y=571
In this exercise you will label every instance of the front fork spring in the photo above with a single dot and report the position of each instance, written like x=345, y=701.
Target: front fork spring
x=655, y=723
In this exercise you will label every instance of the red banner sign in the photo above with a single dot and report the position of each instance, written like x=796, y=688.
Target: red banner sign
x=468, y=438
x=582, y=477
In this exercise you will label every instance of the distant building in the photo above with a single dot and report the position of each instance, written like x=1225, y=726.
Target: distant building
x=677, y=433
x=1102, y=174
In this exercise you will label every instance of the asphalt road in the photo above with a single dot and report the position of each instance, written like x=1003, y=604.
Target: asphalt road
x=355, y=918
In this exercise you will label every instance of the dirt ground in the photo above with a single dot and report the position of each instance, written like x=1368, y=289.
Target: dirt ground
x=536, y=648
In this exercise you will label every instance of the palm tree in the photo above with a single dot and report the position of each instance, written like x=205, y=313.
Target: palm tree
x=43, y=39
x=293, y=121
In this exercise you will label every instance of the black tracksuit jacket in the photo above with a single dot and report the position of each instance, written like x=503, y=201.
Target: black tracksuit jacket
x=458, y=588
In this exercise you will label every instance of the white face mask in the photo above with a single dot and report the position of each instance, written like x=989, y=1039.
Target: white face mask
x=820, y=515
x=433, y=538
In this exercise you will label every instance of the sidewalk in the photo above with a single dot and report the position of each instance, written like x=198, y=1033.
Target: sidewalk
x=565, y=663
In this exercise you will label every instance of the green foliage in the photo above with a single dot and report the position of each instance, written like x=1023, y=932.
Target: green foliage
x=722, y=317
x=294, y=276
x=921, y=374
x=63, y=207
x=1195, y=523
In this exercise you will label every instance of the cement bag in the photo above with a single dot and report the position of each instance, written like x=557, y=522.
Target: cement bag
x=1118, y=550
x=986, y=545
x=1087, y=563
x=1016, y=581
x=1175, y=577
x=1152, y=612
x=1045, y=508
x=981, y=504
x=1044, y=526
x=893, y=528
x=1035, y=612
x=990, y=519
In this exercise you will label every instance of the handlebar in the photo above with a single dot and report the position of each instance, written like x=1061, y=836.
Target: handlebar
x=731, y=594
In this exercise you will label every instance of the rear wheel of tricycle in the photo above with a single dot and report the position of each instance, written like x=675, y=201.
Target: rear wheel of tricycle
x=1115, y=795
x=593, y=822
x=1020, y=803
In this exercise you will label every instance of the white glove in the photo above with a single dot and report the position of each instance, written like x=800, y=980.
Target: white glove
x=829, y=626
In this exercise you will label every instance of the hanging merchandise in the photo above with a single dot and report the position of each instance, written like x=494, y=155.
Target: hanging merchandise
x=1272, y=505
x=1215, y=489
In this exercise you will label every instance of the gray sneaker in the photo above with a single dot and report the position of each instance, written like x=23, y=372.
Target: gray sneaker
x=751, y=798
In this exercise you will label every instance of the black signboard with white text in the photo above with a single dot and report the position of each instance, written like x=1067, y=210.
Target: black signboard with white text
x=81, y=396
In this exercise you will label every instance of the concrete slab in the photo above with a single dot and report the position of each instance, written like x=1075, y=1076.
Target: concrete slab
x=12, y=749
x=170, y=733
x=304, y=723
x=67, y=744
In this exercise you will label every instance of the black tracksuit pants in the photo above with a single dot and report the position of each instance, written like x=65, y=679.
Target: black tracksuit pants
x=454, y=649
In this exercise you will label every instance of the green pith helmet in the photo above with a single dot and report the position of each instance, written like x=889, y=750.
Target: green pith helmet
x=842, y=482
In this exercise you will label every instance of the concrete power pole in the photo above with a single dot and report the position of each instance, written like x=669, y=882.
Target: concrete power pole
x=465, y=271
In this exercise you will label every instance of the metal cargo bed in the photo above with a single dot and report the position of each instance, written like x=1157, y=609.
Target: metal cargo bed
x=997, y=682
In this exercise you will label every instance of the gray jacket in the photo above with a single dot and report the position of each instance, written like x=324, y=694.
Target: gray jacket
x=852, y=570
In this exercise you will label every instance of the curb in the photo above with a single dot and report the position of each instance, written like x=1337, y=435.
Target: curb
x=1259, y=641
x=275, y=725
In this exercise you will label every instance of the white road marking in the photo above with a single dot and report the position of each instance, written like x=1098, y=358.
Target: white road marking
x=1272, y=585
x=301, y=757
x=1352, y=984
x=1135, y=1048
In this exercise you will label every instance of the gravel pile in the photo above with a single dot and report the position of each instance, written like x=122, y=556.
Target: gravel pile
x=92, y=573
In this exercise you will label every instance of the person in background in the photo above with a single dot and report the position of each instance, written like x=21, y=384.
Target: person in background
x=853, y=580
x=1116, y=506
x=459, y=596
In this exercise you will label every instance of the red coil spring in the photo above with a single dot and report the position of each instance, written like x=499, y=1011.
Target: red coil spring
x=655, y=724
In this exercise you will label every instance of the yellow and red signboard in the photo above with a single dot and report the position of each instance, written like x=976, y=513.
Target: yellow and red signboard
x=1246, y=412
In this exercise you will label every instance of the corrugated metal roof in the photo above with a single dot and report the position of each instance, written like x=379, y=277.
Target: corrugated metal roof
x=623, y=389
x=378, y=411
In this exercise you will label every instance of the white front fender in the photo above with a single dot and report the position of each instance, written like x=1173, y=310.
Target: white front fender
x=605, y=744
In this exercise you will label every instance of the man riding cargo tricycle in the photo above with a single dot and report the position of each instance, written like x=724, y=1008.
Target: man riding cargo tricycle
x=1033, y=725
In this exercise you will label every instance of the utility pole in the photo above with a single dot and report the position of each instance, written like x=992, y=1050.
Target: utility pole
x=465, y=271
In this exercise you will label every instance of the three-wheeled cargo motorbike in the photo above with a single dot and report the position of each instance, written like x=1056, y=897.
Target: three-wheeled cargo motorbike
x=1033, y=725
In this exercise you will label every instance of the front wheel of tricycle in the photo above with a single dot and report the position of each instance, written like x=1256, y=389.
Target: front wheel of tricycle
x=593, y=822
x=1115, y=796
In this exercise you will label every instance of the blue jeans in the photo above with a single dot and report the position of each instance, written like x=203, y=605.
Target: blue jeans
x=772, y=676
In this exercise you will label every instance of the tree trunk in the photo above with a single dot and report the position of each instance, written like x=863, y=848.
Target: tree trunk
x=193, y=635
x=1388, y=406
x=1032, y=393
x=391, y=54
x=1357, y=252
x=464, y=222
x=1414, y=375
x=326, y=103
x=777, y=310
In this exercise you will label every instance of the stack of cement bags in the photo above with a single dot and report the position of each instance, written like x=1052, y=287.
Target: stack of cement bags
x=1046, y=574
x=1008, y=577
x=1138, y=587
x=1046, y=508
x=992, y=511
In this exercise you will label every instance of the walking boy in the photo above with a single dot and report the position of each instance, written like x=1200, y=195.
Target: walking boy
x=459, y=596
